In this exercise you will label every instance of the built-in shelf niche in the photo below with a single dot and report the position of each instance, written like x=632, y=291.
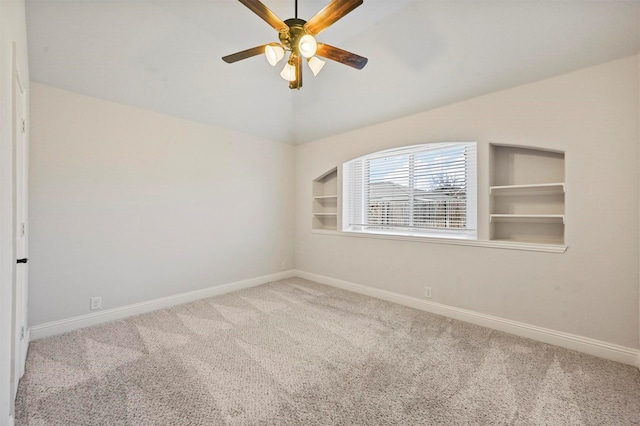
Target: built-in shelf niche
x=325, y=201
x=527, y=195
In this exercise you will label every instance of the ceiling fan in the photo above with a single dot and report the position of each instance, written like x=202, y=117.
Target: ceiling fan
x=297, y=36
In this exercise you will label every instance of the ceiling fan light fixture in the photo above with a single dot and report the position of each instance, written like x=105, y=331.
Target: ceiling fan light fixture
x=315, y=64
x=297, y=36
x=289, y=72
x=307, y=45
x=274, y=52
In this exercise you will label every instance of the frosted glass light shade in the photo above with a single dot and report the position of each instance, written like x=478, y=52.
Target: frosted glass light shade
x=273, y=53
x=307, y=46
x=315, y=64
x=289, y=72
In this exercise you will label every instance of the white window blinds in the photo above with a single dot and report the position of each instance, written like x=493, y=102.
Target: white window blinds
x=419, y=190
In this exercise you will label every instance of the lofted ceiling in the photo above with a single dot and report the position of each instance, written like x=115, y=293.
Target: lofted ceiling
x=165, y=56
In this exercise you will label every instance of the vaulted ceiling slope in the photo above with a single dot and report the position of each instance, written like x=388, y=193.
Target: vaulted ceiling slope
x=164, y=55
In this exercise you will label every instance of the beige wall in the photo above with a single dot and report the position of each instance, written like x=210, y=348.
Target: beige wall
x=132, y=205
x=592, y=289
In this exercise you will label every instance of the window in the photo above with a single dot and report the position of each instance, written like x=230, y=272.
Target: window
x=422, y=190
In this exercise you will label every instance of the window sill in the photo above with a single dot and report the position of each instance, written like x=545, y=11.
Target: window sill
x=509, y=245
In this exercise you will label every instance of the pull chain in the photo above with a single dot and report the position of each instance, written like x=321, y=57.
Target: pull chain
x=296, y=9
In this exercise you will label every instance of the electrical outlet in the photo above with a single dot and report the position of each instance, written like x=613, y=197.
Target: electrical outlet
x=283, y=266
x=96, y=303
x=427, y=292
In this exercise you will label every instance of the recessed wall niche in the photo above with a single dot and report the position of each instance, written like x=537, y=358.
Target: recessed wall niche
x=527, y=195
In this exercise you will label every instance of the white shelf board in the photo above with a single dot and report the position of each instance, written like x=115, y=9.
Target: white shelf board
x=534, y=218
x=325, y=214
x=541, y=242
x=325, y=197
x=534, y=189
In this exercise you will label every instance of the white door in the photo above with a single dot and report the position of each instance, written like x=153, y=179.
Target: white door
x=21, y=158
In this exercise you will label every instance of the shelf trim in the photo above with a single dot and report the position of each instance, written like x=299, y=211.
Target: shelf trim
x=325, y=214
x=324, y=197
x=327, y=173
x=497, y=244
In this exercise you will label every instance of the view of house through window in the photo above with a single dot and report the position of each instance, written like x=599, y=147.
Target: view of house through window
x=427, y=190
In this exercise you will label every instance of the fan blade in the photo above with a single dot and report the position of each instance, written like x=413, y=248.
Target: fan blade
x=263, y=11
x=238, y=56
x=342, y=56
x=297, y=83
x=330, y=14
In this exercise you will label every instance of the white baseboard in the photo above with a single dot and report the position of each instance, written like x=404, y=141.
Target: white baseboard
x=586, y=345
x=95, y=318
x=570, y=341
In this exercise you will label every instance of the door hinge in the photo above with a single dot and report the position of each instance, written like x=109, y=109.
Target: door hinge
x=22, y=333
x=24, y=126
x=23, y=229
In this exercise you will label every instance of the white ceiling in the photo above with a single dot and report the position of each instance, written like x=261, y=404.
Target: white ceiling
x=164, y=55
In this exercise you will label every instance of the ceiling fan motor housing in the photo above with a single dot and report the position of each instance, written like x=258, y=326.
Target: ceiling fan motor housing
x=290, y=38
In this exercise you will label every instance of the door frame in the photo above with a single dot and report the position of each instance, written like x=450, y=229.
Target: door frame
x=8, y=228
x=21, y=250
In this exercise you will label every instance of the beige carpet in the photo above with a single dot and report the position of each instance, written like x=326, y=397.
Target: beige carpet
x=294, y=352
